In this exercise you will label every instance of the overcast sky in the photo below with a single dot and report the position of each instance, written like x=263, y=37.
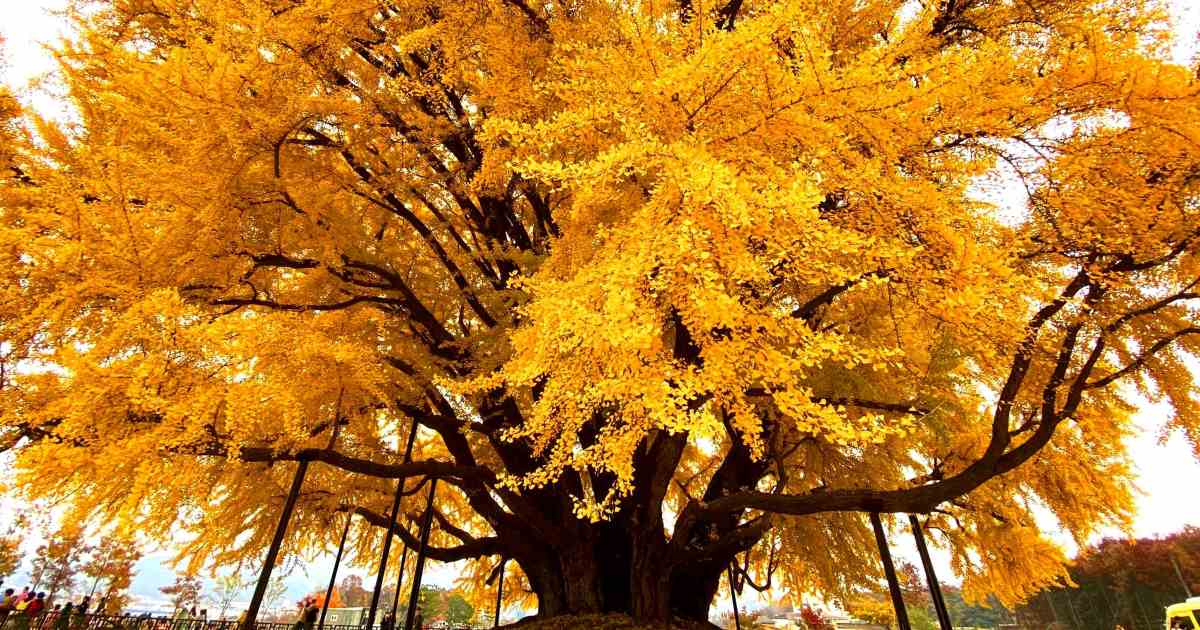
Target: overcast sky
x=1166, y=469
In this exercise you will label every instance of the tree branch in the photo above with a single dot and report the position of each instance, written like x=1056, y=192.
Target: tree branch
x=477, y=548
x=808, y=310
x=1141, y=359
x=429, y=468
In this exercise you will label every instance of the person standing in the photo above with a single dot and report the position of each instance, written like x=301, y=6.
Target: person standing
x=7, y=603
x=63, y=620
x=180, y=619
x=79, y=615
x=18, y=619
x=36, y=608
x=309, y=617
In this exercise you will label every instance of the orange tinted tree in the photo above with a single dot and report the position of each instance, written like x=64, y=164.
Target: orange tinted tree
x=665, y=284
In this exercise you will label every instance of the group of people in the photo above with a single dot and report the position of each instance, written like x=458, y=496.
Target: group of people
x=20, y=611
x=17, y=611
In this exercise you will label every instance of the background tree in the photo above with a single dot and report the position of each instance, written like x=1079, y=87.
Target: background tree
x=11, y=553
x=814, y=620
x=746, y=283
x=56, y=563
x=386, y=596
x=973, y=615
x=352, y=592
x=10, y=556
x=110, y=565
x=185, y=591
x=273, y=598
x=1122, y=581
x=459, y=611
x=335, y=599
x=227, y=588
x=432, y=603
x=873, y=609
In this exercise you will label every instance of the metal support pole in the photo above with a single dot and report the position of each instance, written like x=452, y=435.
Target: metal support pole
x=885, y=555
x=499, y=593
x=387, y=547
x=399, y=579
x=935, y=589
x=337, y=562
x=737, y=623
x=414, y=598
x=387, y=538
x=260, y=589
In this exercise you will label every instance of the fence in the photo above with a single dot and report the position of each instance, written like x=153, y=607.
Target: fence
x=52, y=620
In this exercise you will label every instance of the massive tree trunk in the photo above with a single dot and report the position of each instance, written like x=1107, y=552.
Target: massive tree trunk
x=616, y=569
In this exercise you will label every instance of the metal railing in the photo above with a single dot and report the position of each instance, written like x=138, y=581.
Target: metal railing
x=52, y=620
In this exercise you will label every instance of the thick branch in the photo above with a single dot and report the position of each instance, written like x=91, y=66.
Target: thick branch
x=1141, y=359
x=429, y=468
x=739, y=539
x=537, y=23
x=477, y=548
x=996, y=460
x=909, y=408
x=809, y=309
x=301, y=308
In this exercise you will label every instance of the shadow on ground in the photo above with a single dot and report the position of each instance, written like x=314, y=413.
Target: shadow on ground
x=604, y=622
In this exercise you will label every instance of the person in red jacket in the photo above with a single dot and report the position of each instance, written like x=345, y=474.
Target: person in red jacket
x=27, y=611
x=36, y=606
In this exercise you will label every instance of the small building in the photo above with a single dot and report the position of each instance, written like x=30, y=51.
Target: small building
x=346, y=617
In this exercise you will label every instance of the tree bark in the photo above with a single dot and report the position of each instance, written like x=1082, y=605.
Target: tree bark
x=614, y=567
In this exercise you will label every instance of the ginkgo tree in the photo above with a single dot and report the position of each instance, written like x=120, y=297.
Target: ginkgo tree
x=668, y=287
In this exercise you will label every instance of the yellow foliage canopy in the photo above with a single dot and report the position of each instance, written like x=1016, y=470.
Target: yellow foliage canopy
x=665, y=284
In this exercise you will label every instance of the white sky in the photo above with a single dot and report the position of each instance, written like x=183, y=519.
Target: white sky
x=1167, y=471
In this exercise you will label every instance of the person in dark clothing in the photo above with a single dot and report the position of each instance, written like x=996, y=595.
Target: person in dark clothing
x=388, y=622
x=79, y=619
x=63, y=620
x=311, y=612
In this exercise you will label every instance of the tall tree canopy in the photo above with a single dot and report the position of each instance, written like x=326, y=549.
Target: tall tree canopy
x=666, y=285
x=1125, y=582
